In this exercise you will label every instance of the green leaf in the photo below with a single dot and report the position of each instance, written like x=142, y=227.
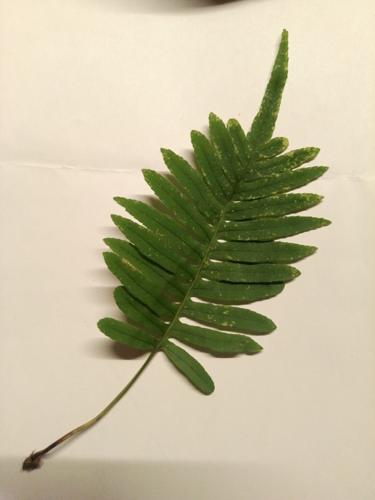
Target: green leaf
x=162, y=239
x=175, y=234
x=264, y=123
x=270, y=229
x=210, y=166
x=177, y=203
x=128, y=253
x=214, y=341
x=229, y=318
x=209, y=245
x=254, y=253
x=210, y=237
x=279, y=183
x=137, y=312
x=289, y=161
x=152, y=246
x=127, y=334
x=143, y=289
x=273, y=206
x=233, y=293
x=189, y=367
x=192, y=184
x=240, y=145
x=273, y=148
x=249, y=273
x=224, y=147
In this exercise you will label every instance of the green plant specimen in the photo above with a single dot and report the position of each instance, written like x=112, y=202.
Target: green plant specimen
x=211, y=246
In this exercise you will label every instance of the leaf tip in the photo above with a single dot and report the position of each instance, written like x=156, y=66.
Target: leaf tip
x=268, y=326
x=254, y=348
x=116, y=219
x=295, y=272
x=325, y=222
x=283, y=50
x=209, y=389
x=121, y=200
x=232, y=122
x=272, y=328
x=166, y=153
x=147, y=173
x=311, y=250
x=196, y=137
x=212, y=117
x=284, y=42
x=314, y=151
x=101, y=324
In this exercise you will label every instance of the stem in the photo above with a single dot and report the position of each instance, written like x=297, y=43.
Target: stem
x=33, y=461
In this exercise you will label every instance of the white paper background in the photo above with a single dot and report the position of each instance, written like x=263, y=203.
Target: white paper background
x=89, y=91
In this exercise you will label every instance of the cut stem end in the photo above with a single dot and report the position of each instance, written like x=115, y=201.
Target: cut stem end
x=32, y=462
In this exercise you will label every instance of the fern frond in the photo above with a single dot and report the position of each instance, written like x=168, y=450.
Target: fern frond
x=214, y=239
x=211, y=247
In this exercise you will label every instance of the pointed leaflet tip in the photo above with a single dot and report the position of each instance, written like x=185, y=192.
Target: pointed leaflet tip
x=166, y=153
x=324, y=222
x=295, y=272
x=121, y=200
x=272, y=327
x=213, y=118
x=194, y=134
x=313, y=153
x=116, y=219
x=169, y=158
x=264, y=123
x=310, y=250
x=253, y=348
x=146, y=172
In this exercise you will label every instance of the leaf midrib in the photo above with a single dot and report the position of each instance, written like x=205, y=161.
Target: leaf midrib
x=211, y=243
